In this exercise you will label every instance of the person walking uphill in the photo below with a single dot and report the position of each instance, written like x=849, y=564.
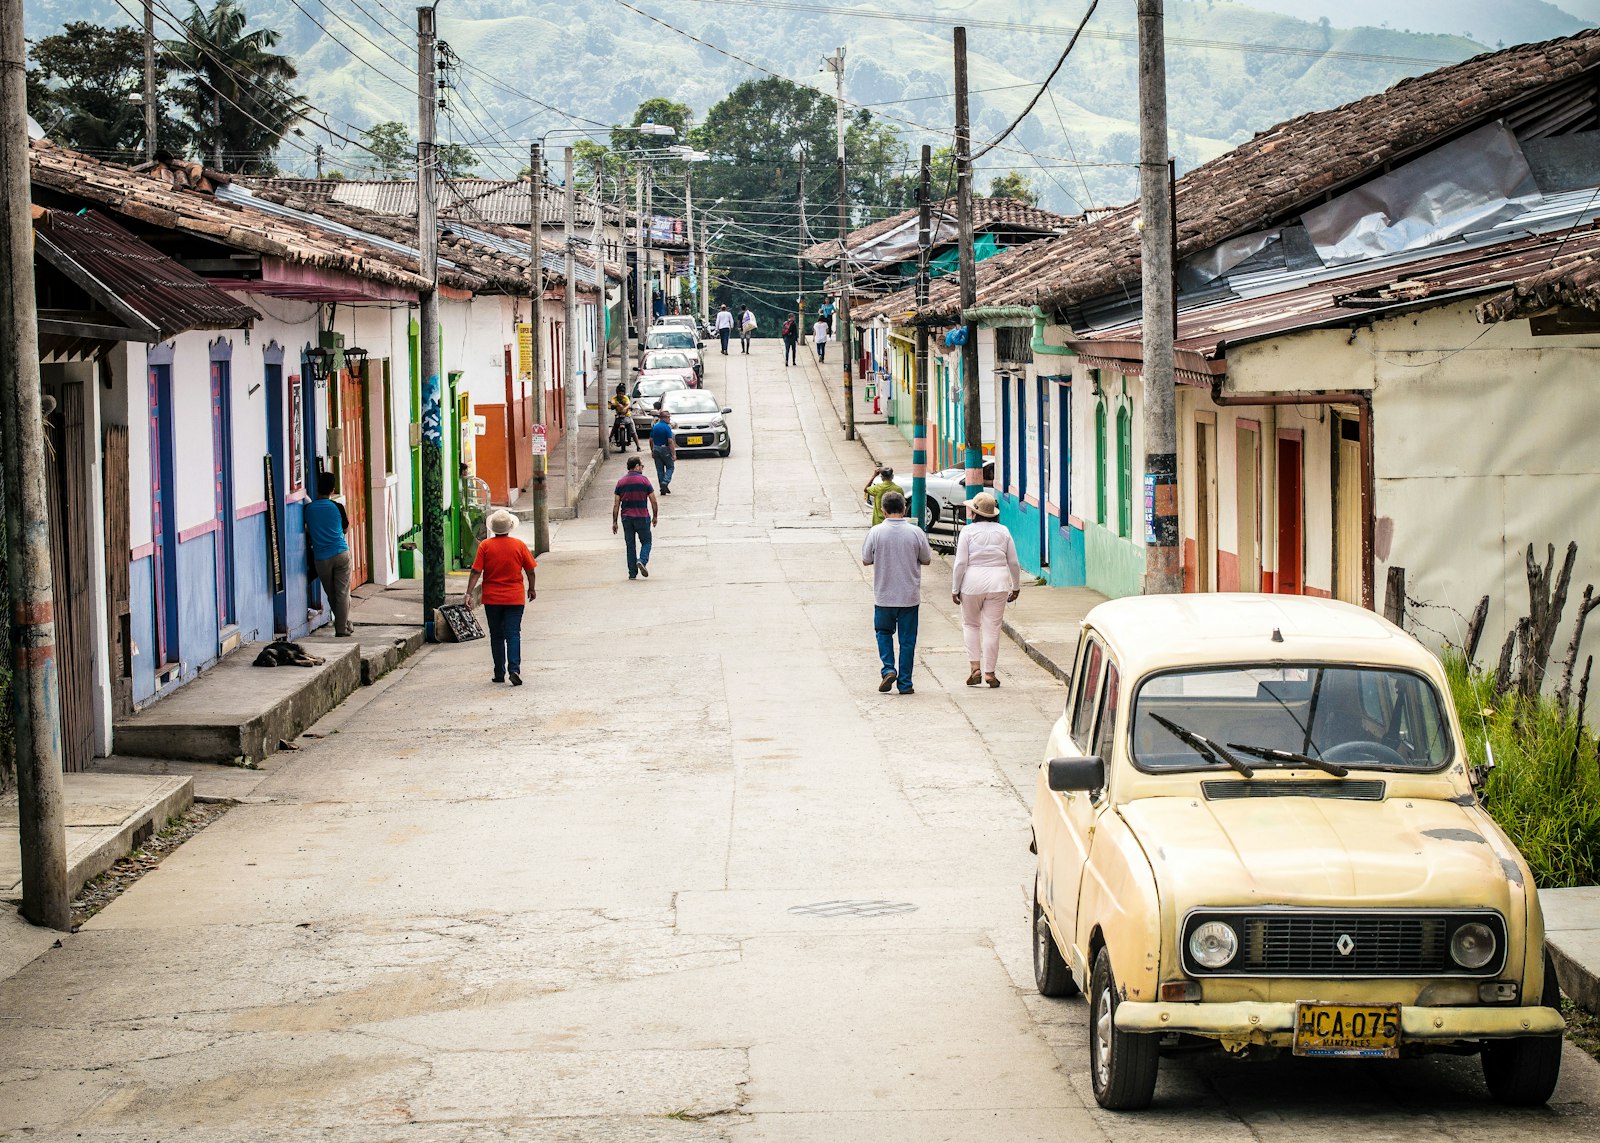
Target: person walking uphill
x=819, y=334
x=791, y=341
x=326, y=524
x=986, y=578
x=747, y=326
x=502, y=565
x=896, y=551
x=663, y=450
x=636, y=507
x=724, y=327
x=879, y=485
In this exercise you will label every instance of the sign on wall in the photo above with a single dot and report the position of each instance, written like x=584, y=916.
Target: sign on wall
x=297, y=456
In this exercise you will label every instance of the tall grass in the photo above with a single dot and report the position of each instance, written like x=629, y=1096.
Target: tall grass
x=1544, y=789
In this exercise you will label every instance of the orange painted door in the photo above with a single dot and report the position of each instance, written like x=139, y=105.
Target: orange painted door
x=353, y=470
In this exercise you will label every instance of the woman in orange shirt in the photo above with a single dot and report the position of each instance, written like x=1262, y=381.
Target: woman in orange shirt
x=502, y=564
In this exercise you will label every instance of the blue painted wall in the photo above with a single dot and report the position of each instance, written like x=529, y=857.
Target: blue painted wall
x=198, y=622
x=141, y=585
x=252, y=587
x=298, y=574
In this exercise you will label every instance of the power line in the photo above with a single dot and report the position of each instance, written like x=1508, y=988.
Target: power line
x=1043, y=87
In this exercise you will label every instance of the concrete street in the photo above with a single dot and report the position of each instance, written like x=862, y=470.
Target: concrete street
x=697, y=880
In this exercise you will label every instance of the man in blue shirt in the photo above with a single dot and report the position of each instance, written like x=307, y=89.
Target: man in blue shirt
x=326, y=524
x=663, y=450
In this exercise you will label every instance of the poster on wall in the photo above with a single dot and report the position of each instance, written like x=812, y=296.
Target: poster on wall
x=1150, y=508
x=297, y=459
x=274, y=551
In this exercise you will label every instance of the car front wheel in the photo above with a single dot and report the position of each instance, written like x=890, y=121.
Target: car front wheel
x=1050, y=972
x=1523, y=1072
x=1122, y=1065
x=930, y=513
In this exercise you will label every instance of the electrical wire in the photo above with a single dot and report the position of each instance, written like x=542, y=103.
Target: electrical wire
x=1043, y=87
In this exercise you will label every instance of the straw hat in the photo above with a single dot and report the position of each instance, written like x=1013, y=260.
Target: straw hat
x=502, y=522
x=984, y=504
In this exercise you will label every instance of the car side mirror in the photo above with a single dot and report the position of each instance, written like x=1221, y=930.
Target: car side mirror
x=1066, y=775
x=726, y=409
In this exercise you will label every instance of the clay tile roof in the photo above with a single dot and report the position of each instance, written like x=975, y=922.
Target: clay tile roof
x=1571, y=278
x=1010, y=214
x=1278, y=173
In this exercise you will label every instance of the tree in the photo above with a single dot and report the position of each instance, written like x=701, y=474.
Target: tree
x=1013, y=184
x=393, y=155
x=233, y=88
x=456, y=161
x=82, y=86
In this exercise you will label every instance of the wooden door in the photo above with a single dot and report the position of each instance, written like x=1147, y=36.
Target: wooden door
x=68, y=498
x=119, y=618
x=1291, y=517
x=1347, y=511
x=1248, y=488
x=353, y=469
x=1205, y=515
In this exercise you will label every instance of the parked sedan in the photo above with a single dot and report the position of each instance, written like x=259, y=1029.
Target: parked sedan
x=680, y=321
x=647, y=391
x=947, y=494
x=672, y=337
x=669, y=361
x=698, y=421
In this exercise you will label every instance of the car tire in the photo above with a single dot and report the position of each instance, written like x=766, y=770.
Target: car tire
x=1122, y=1065
x=1050, y=973
x=1523, y=1072
x=930, y=513
x=725, y=450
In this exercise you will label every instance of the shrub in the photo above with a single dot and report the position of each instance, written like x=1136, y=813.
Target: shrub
x=1544, y=789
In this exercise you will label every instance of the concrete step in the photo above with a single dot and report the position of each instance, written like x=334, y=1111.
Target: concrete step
x=1572, y=931
x=240, y=712
x=383, y=647
x=107, y=816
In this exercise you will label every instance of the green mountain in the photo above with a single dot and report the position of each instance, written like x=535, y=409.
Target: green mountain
x=1233, y=68
x=1486, y=21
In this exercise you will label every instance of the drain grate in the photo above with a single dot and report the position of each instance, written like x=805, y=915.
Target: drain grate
x=853, y=909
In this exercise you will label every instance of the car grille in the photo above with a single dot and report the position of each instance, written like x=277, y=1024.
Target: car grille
x=1352, y=789
x=1345, y=943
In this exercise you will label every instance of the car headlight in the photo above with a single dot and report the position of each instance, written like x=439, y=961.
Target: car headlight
x=1472, y=945
x=1213, y=944
x=716, y=424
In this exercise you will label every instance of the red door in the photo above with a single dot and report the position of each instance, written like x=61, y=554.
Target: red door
x=1291, y=523
x=353, y=469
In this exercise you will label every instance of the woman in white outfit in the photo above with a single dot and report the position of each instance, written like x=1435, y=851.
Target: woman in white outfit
x=986, y=578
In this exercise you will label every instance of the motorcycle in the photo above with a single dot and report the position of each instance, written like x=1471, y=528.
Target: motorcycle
x=623, y=433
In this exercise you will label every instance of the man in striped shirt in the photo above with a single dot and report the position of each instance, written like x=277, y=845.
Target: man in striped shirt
x=636, y=506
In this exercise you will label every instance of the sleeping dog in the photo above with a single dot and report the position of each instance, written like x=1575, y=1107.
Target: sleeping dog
x=282, y=653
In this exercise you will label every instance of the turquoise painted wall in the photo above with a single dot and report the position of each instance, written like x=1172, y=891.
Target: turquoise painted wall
x=1113, y=566
x=1066, y=550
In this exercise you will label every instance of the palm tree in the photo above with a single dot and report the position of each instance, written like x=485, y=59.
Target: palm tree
x=233, y=87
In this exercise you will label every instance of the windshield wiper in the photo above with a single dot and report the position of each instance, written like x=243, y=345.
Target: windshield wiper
x=1290, y=756
x=1207, y=748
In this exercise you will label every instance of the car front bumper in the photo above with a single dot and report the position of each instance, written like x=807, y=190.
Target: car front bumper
x=1259, y=1022
x=708, y=438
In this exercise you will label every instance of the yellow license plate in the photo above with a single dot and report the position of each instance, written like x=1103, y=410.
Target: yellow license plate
x=1353, y=1031
x=696, y=440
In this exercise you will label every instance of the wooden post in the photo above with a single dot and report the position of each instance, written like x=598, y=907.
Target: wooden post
x=1480, y=616
x=570, y=373
x=967, y=273
x=1394, y=597
x=919, y=385
x=36, y=705
x=538, y=487
x=428, y=366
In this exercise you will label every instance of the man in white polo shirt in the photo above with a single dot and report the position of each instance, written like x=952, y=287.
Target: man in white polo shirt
x=896, y=551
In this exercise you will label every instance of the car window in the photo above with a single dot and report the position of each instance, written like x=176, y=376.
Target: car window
x=666, y=361
x=670, y=339
x=1088, y=685
x=1106, y=723
x=1361, y=717
x=655, y=386
x=690, y=401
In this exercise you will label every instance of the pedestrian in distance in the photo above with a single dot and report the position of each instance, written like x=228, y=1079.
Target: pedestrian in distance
x=880, y=484
x=896, y=551
x=326, y=524
x=663, y=449
x=986, y=578
x=724, y=328
x=747, y=326
x=825, y=314
x=791, y=341
x=636, y=508
x=819, y=334
x=502, y=580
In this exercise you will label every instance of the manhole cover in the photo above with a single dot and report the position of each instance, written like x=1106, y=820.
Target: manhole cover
x=853, y=908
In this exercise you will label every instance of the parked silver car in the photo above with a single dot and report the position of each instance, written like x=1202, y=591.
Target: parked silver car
x=647, y=391
x=698, y=421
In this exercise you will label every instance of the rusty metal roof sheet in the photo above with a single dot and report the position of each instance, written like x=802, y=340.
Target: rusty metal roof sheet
x=1009, y=214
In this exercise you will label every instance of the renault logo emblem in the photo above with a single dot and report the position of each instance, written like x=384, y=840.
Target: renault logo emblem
x=1344, y=944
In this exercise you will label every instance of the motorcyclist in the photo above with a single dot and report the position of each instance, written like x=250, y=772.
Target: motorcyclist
x=622, y=430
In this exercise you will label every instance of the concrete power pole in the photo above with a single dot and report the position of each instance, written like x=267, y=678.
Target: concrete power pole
x=970, y=388
x=919, y=384
x=150, y=80
x=1162, y=573
x=538, y=488
x=641, y=275
x=572, y=376
x=35, y=703
x=799, y=261
x=428, y=340
x=602, y=348
x=688, y=214
x=847, y=342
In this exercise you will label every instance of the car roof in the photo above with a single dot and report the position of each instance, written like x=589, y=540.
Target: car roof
x=1154, y=632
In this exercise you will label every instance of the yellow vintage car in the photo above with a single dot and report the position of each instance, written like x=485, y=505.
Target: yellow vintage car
x=1256, y=828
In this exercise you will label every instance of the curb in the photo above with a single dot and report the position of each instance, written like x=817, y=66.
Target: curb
x=1578, y=982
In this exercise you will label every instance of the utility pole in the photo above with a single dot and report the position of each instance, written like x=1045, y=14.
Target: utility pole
x=428, y=340
x=35, y=703
x=919, y=384
x=318, y=154
x=538, y=487
x=570, y=373
x=150, y=81
x=688, y=213
x=597, y=243
x=1162, y=574
x=970, y=389
x=625, y=376
x=641, y=277
x=846, y=352
x=799, y=261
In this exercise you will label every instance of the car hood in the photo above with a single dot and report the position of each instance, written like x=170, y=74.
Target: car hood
x=1323, y=851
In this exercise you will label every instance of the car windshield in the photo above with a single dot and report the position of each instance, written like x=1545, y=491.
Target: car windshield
x=655, y=386
x=1286, y=714
x=669, y=339
x=690, y=401
x=666, y=361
